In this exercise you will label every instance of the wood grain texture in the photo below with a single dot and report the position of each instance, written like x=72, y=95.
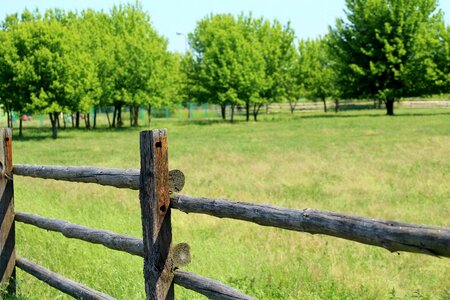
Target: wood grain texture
x=59, y=282
x=156, y=215
x=132, y=245
x=391, y=235
x=120, y=242
x=120, y=178
x=7, y=228
x=210, y=288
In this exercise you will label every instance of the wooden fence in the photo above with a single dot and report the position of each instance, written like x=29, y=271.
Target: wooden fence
x=158, y=188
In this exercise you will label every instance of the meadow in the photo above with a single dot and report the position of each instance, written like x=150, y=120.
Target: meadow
x=362, y=163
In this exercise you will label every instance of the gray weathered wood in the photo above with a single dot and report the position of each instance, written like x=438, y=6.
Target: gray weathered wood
x=391, y=235
x=210, y=288
x=106, y=238
x=120, y=178
x=59, y=282
x=155, y=213
x=131, y=245
x=7, y=228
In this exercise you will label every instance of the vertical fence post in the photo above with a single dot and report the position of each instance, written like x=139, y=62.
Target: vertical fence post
x=7, y=231
x=155, y=213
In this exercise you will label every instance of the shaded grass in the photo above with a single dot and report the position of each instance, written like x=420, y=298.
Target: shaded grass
x=381, y=167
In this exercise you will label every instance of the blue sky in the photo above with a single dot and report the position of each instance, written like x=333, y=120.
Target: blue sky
x=309, y=18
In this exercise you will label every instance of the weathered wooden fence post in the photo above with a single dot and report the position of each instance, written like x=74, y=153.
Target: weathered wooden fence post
x=7, y=231
x=155, y=209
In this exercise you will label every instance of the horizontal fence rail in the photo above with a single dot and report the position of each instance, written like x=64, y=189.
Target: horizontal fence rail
x=391, y=235
x=212, y=289
x=59, y=282
x=119, y=178
x=203, y=285
x=120, y=242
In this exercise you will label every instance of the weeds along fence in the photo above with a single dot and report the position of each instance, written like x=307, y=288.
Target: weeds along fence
x=158, y=195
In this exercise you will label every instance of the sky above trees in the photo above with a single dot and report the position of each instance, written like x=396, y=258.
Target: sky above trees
x=309, y=18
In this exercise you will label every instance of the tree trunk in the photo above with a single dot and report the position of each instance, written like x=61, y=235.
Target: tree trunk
x=53, y=118
x=189, y=110
x=119, y=117
x=336, y=105
x=87, y=121
x=20, y=126
x=64, y=121
x=57, y=121
x=131, y=108
x=107, y=117
x=247, y=110
x=256, y=109
x=292, y=105
x=73, y=123
x=324, y=104
x=136, y=116
x=232, y=113
x=223, y=111
x=77, y=120
x=95, y=118
x=114, y=117
x=389, y=107
x=9, y=114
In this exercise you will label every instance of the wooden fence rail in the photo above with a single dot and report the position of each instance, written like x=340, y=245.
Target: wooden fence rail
x=391, y=235
x=119, y=178
x=59, y=282
x=133, y=245
x=155, y=184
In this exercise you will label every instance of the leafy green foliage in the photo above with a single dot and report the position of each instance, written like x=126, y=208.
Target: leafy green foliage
x=314, y=70
x=241, y=61
x=378, y=49
x=66, y=62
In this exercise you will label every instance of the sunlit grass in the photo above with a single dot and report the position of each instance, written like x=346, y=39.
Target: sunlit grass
x=361, y=163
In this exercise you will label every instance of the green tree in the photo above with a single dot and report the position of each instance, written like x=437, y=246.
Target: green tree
x=229, y=68
x=315, y=70
x=138, y=53
x=376, y=48
x=39, y=65
x=442, y=59
x=276, y=43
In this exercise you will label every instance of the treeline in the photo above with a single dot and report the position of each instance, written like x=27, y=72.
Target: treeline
x=67, y=62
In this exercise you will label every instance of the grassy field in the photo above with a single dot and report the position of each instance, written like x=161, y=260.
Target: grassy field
x=361, y=163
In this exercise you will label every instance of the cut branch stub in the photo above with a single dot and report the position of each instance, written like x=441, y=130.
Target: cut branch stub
x=181, y=254
x=176, y=181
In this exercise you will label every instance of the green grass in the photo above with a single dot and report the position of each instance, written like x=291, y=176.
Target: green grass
x=361, y=163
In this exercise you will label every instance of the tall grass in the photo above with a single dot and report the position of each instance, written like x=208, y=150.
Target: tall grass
x=361, y=163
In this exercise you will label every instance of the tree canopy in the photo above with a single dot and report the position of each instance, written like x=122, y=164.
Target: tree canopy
x=379, y=47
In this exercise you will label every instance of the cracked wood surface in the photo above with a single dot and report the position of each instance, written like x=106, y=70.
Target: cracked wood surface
x=120, y=178
x=391, y=235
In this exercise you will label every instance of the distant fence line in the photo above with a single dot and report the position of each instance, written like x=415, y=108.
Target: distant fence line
x=158, y=189
x=206, y=111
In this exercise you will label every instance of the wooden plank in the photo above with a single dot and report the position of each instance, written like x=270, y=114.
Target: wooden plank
x=210, y=288
x=59, y=282
x=7, y=229
x=120, y=178
x=155, y=213
x=391, y=235
x=120, y=242
x=206, y=286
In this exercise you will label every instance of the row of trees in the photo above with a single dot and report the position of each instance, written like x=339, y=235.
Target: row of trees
x=68, y=62
x=73, y=62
